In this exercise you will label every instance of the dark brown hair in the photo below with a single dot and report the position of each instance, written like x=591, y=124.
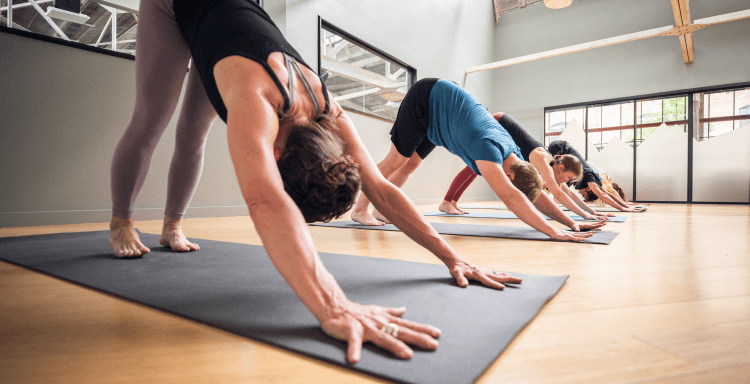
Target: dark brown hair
x=321, y=180
x=527, y=179
x=590, y=196
x=619, y=190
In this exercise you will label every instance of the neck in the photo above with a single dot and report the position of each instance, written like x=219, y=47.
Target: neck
x=509, y=162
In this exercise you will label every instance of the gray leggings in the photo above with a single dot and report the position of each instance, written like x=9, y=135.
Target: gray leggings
x=161, y=63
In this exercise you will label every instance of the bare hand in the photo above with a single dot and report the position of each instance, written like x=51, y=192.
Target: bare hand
x=639, y=209
x=596, y=216
x=588, y=226
x=359, y=324
x=463, y=271
x=608, y=215
x=571, y=236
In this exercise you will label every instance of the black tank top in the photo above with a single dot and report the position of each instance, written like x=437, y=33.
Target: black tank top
x=523, y=139
x=215, y=29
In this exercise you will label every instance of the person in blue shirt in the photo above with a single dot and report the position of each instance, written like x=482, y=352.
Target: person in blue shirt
x=439, y=112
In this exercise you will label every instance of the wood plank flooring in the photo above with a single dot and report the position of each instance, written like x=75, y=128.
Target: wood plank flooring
x=667, y=302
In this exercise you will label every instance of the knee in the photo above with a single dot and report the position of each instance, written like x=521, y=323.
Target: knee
x=411, y=166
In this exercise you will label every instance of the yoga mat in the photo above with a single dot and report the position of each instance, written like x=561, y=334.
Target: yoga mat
x=499, y=231
x=235, y=287
x=508, y=215
x=598, y=209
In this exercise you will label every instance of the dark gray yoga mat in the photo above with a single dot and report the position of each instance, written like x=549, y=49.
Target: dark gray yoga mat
x=598, y=209
x=509, y=215
x=235, y=287
x=499, y=231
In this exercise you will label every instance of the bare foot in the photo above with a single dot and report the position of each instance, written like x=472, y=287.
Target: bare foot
x=124, y=239
x=454, y=203
x=448, y=208
x=365, y=218
x=172, y=236
x=380, y=217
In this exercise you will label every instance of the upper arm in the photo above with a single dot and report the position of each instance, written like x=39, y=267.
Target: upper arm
x=369, y=172
x=540, y=159
x=496, y=178
x=252, y=126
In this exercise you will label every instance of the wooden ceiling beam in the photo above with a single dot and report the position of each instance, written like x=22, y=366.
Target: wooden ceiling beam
x=496, y=6
x=681, y=10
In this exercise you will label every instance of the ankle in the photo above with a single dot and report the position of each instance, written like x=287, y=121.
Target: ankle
x=118, y=222
x=170, y=223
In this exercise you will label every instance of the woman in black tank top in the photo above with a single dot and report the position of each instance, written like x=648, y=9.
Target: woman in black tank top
x=555, y=172
x=296, y=155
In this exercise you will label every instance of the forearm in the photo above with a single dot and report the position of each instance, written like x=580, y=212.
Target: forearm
x=578, y=201
x=289, y=245
x=520, y=205
x=568, y=202
x=546, y=206
x=605, y=197
x=393, y=204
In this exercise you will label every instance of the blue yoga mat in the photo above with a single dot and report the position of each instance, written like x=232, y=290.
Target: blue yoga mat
x=498, y=231
x=509, y=215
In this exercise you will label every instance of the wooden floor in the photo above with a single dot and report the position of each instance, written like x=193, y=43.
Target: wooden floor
x=667, y=302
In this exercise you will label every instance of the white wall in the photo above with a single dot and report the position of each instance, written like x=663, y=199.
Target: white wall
x=722, y=54
x=438, y=38
x=62, y=111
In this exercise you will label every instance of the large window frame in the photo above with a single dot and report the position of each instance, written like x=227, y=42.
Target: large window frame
x=124, y=35
x=409, y=71
x=688, y=124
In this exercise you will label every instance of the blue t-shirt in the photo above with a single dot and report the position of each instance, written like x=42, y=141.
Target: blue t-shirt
x=462, y=125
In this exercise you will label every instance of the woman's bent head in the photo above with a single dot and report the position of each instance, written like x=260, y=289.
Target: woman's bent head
x=570, y=165
x=321, y=180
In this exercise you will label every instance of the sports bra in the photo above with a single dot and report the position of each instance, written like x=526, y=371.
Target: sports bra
x=216, y=29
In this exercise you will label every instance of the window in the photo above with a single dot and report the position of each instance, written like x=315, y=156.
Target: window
x=87, y=22
x=721, y=112
x=606, y=122
x=555, y=122
x=361, y=78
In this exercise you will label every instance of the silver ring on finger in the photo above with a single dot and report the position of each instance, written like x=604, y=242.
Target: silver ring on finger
x=495, y=272
x=391, y=328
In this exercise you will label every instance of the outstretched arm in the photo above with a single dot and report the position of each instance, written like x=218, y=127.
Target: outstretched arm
x=519, y=204
x=577, y=199
x=541, y=162
x=393, y=204
x=546, y=206
x=252, y=127
x=607, y=198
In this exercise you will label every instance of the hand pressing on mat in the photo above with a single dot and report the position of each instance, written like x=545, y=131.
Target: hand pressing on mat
x=463, y=271
x=596, y=217
x=578, y=227
x=570, y=236
x=358, y=324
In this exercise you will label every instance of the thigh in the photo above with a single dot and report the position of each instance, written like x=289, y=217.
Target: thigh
x=161, y=59
x=425, y=148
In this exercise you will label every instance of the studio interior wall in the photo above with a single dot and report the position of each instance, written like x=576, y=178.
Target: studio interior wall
x=652, y=65
x=62, y=110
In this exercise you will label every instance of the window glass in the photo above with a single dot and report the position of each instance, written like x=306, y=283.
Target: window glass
x=362, y=79
x=86, y=22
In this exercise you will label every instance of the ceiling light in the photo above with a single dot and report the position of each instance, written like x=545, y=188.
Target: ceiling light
x=557, y=4
x=61, y=14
